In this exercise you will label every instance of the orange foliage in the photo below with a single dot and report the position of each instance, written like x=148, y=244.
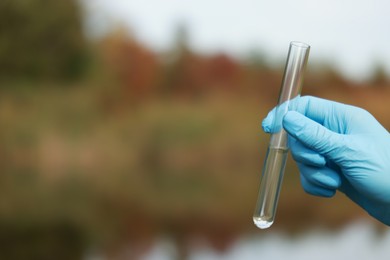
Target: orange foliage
x=134, y=66
x=143, y=73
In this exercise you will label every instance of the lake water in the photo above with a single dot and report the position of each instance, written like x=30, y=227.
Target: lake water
x=358, y=241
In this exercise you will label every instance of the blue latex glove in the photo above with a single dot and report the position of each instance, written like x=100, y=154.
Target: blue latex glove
x=339, y=147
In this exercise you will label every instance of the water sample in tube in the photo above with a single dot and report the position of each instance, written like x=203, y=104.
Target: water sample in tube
x=275, y=161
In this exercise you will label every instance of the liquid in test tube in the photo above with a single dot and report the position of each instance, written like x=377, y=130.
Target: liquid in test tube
x=275, y=161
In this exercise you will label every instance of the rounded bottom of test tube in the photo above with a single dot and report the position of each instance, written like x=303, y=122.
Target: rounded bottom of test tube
x=261, y=223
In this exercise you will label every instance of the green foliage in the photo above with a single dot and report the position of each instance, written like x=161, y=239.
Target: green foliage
x=41, y=39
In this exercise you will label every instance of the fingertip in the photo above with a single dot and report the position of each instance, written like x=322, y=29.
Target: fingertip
x=267, y=122
x=266, y=125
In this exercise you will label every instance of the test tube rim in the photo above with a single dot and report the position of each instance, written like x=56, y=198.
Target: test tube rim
x=300, y=44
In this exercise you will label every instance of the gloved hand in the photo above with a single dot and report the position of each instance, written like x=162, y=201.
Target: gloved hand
x=339, y=147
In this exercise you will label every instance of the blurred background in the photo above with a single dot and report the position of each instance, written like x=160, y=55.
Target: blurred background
x=131, y=129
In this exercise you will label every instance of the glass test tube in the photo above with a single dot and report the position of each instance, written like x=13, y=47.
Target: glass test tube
x=276, y=157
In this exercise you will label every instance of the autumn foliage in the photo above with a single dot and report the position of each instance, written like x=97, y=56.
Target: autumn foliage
x=144, y=143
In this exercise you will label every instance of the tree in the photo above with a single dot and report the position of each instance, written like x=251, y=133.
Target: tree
x=41, y=39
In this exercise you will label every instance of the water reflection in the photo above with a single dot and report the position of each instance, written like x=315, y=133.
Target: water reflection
x=359, y=240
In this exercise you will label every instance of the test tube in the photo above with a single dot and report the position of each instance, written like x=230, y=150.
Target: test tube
x=275, y=160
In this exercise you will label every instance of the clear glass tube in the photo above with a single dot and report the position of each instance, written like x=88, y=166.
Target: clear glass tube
x=276, y=157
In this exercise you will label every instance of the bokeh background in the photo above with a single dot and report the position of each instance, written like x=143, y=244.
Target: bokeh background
x=131, y=129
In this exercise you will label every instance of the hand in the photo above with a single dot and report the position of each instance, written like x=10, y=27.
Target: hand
x=339, y=147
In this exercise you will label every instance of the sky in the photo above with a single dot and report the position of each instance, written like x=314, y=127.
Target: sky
x=352, y=35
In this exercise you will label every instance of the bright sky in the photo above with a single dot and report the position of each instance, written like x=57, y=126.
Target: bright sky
x=353, y=35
